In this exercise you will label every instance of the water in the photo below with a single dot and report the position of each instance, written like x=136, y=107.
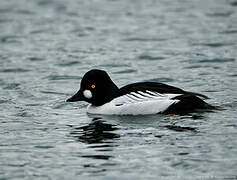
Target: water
x=46, y=46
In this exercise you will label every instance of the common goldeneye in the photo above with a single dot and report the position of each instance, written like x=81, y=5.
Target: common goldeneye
x=134, y=99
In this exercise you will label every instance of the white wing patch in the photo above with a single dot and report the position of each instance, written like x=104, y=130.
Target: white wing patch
x=139, y=96
x=136, y=103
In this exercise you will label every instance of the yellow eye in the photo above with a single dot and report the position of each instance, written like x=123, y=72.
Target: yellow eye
x=92, y=86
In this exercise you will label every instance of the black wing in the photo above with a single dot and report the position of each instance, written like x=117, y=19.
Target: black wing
x=156, y=87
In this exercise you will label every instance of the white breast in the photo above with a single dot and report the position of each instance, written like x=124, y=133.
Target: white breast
x=135, y=103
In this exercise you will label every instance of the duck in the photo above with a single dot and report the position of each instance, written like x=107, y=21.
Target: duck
x=139, y=98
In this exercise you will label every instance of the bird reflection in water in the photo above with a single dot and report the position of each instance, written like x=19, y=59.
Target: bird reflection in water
x=98, y=131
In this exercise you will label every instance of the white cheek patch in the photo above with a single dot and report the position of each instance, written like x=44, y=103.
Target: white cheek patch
x=87, y=94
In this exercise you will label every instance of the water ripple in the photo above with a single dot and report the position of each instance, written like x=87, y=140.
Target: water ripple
x=3, y=101
x=44, y=146
x=104, y=157
x=148, y=57
x=36, y=59
x=161, y=79
x=193, y=67
x=180, y=128
x=62, y=77
x=10, y=39
x=217, y=60
x=25, y=12
x=144, y=39
x=70, y=63
x=14, y=70
x=126, y=71
x=10, y=86
x=5, y=20
x=229, y=31
x=215, y=45
x=234, y=3
x=53, y=92
x=113, y=65
x=45, y=2
x=220, y=14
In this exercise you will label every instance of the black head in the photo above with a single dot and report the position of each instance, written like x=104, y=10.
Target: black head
x=96, y=88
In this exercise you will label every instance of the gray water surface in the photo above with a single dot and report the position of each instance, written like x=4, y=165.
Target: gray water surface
x=46, y=46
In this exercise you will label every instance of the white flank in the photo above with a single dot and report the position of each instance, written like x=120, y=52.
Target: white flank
x=135, y=103
x=87, y=94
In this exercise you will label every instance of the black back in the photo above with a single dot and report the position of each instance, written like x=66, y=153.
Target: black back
x=156, y=87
